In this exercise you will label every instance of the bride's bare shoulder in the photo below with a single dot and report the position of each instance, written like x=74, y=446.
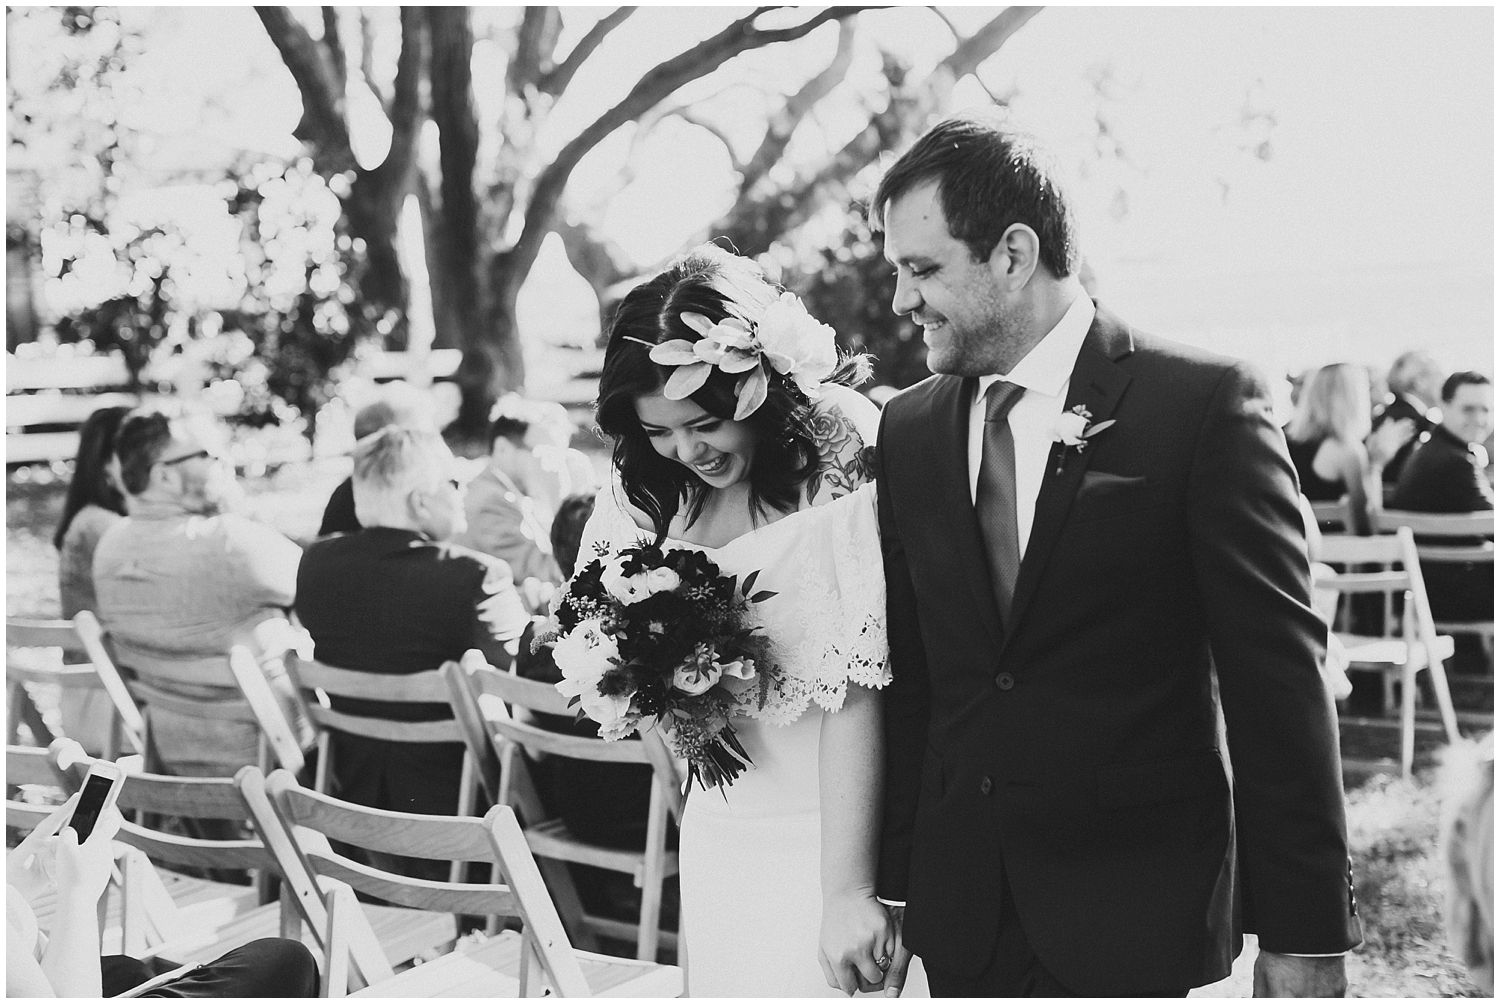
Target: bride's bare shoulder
x=843, y=425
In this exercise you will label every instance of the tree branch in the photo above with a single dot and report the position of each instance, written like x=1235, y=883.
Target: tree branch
x=323, y=126
x=334, y=44
x=556, y=80
x=782, y=125
x=535, y=39
x=661, y=81
x=405, y=108
x=978, y=47
x=367, y=60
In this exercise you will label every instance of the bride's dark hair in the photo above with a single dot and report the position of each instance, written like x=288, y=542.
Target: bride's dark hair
x=712, y=282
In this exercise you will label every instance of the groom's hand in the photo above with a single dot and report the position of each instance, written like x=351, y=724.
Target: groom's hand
x=1299, y=976
x=895, y=976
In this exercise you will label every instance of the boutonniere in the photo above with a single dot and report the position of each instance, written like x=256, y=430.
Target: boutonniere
x=1075, y=428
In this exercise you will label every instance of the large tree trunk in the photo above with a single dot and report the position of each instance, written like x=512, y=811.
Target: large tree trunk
x=384, y=289
x=493, y=363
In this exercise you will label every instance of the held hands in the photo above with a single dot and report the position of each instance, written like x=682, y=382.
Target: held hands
x=857, y=942
x=1299, y=976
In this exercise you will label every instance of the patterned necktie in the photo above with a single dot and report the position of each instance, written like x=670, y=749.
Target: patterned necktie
x=995, y=498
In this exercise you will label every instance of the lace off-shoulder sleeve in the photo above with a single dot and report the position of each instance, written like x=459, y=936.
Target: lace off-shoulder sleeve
x=827, y=623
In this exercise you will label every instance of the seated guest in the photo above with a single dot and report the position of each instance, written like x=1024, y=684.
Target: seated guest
x=180, y=580
x=604, y=803
x=561, y=469
x=51, y=865
x=1415, y=383
x=399, y=404
x=503, y=519
x=1446, y=474
x=396, y=597
x=1327, y=441
x=93, y=504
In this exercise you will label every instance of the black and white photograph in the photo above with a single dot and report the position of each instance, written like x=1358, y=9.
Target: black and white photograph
x=756, y=502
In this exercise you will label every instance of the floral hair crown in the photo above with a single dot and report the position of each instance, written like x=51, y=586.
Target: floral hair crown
x=786, y=339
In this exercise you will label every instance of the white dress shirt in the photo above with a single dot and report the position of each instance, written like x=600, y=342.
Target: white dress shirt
x=1045, y=372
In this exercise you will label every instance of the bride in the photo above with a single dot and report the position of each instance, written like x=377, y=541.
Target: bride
x=736, y=432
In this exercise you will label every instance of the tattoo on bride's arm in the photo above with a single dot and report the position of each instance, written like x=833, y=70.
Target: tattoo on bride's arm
x=844, y=462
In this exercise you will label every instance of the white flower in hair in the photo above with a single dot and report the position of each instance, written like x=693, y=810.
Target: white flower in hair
x=797, y=344
x=786, y=337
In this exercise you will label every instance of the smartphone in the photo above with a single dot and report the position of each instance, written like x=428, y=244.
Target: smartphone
x=100, y=789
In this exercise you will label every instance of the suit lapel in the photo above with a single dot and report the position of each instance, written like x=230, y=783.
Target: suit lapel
x=950, y=427
x=1097, y=384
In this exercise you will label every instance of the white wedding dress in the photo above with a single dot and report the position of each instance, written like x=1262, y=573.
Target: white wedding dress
x=751, y=902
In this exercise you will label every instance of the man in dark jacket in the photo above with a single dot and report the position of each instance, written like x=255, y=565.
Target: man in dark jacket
x=1446, y=474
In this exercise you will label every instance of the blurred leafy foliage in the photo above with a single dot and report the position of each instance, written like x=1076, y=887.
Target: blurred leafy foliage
x=848, y=284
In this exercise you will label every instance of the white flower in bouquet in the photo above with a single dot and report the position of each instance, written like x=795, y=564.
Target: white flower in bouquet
x=634, y=588
x=586, y=652
x=797, y=344
x=583, y=656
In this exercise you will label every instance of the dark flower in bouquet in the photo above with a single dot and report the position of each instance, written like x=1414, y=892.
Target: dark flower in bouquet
x=649, y=633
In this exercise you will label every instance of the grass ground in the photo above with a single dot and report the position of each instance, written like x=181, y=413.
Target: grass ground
x=1392, y=823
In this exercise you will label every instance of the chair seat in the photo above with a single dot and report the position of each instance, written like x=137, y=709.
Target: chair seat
x=551, y=838
x=403, y=934
x=492, y=969
x=1389, y=654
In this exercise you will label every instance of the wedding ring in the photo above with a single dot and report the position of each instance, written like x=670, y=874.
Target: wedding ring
x=883, y=962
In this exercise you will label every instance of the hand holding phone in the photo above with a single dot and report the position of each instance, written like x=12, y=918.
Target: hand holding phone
x=101, y=787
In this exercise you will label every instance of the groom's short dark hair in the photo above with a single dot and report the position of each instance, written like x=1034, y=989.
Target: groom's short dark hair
x=989, y=177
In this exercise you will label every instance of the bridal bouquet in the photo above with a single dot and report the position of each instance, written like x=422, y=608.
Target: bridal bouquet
x=653, y=633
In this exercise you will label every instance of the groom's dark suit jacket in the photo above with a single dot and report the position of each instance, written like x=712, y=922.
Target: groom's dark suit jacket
x=1075, y=757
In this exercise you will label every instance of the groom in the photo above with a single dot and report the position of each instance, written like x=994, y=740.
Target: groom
x=1109, y=748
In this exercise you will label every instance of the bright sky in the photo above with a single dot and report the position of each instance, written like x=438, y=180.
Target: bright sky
x=1370, y=228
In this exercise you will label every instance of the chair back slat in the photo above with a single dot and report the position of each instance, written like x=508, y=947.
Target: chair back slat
x=1364, y=582
x=424, y=687
x=191, y=852
x=1427, y=524
x=33, y=767
x=164, y=668
x=517, y=691
x=1457, y=553
x=27, y=633
x=443, y=731
x=66, y=677
x=231, y=709
x=189, y=797
x=540, y=741
x=442, y=838
x=481, y=899
x=1347, y=549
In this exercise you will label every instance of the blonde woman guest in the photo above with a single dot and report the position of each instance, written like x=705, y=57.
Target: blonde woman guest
x=1330, y=441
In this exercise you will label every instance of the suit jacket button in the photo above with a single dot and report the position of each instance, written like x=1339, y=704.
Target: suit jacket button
x=1005, y=681
x=986, y=786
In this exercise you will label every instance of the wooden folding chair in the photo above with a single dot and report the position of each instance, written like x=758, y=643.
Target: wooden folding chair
x=1450, y=538
x=495, y=697
x=536, y=961
x=163, y=912
x=36, y=656
x=317, y=684
x=1397, y=657
x=1333, y=516
x=34, y=787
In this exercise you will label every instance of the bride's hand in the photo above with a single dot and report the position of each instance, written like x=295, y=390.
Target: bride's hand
x=857, y=936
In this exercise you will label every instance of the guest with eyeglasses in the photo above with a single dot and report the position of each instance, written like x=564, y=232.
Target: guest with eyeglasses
x=399, y=597
x=181, y=579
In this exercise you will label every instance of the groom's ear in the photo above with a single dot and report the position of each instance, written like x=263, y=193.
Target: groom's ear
x=1016, y=255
